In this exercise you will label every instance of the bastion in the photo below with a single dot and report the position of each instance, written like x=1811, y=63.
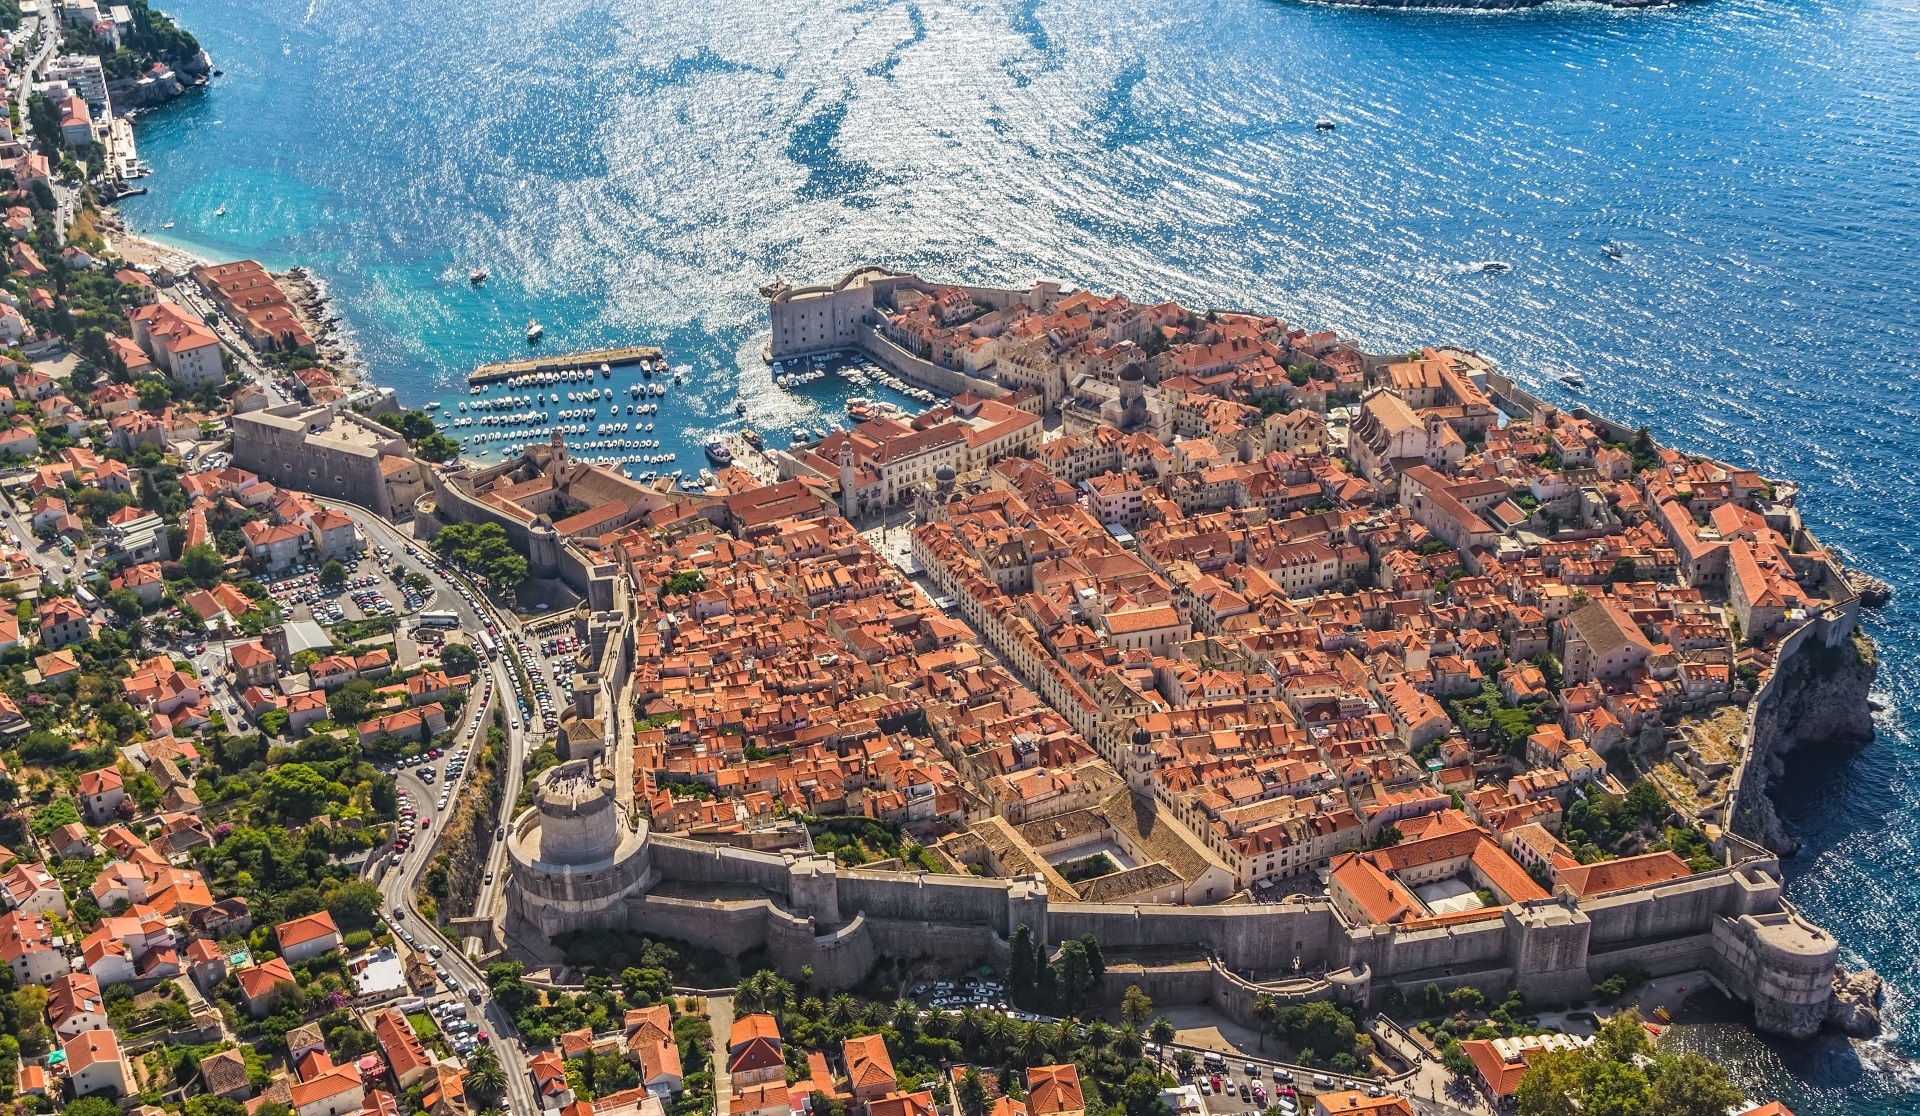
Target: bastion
x=575, y=855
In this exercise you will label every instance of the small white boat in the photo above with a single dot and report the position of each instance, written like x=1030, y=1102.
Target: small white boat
x=477, y=276
x=534, y=330
x=221, y=212
x=168, y=225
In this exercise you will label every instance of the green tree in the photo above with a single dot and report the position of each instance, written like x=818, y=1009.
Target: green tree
x=333, y=575
x=437, y=448
x=203, y=564
x=1136, y=1007
x=1076, y=976
x=458, y=658
x=685, y=582
x=971, y=1093
x=1624, y=569
x=355, y=903
x=350, y=702
x=1161, y=1031
x=486, y=1080
x=1689, y=1085
x=1140, y=1096
x=1266, y=1009
x=155, y=393
x=126, y=604
x=296, y=790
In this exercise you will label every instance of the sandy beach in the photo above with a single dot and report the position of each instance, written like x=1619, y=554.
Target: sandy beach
x=142, y=252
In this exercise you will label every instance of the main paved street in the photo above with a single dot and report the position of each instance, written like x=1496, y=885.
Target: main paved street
x=401, y=884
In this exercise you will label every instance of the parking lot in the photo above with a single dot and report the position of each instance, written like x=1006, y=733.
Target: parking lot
x=369, y=592
x=494, y=641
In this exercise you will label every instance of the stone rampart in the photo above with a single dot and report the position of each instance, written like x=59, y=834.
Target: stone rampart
x=1265, y=938
x=805, y=912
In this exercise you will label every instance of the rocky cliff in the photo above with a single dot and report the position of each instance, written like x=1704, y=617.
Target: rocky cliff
x=1820, y=698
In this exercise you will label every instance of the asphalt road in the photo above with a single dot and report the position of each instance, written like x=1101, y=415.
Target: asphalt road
x=400, y=884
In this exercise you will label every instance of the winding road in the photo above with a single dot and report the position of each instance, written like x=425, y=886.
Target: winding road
x=401, y=882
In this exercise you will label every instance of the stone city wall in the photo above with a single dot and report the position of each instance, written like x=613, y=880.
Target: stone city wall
x=805, y=912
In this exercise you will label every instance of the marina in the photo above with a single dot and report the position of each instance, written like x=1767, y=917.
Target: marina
x=562, y=363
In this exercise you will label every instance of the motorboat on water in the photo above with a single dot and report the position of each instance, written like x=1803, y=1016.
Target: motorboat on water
x=606, y=371
x=534, y=330
x=1495, y=267
x=1614, y=249
x=1324, y=125
x=1574, y=381
x=478, y=276
x=719, y=454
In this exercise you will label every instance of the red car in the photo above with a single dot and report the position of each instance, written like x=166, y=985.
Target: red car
x=425, y=822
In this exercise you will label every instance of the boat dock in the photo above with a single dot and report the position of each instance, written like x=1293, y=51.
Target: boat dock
x=563, y=362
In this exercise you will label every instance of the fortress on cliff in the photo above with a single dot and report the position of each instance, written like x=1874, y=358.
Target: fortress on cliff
x=580, y=862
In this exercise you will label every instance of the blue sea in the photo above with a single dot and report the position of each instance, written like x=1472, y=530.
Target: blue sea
x=633, y=172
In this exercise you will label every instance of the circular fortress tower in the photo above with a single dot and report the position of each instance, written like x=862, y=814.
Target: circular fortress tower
x=575, y=858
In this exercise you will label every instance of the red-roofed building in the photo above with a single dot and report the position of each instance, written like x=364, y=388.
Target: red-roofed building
x=307, y=937
x=1055, y=1091
x=257, y=984
x=94, y=1064
x=869, y=1068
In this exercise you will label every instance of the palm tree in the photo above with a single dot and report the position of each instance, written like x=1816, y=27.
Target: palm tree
x=906, y=1014
x=1050, y=1037
x=996, y=1031
x=777, y=991
x=968, y=1029
x=1034, y=1044
x=812, y=1008
x=877, y=1014
x=1099, y=1035
x=1266, y=1010
x=486, y=1081
x=842, y=1009
x=1161, y=1032
x=937, y=1024
x=751, y=994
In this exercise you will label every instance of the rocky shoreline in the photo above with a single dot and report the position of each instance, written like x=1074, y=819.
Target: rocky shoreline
x=313, y=304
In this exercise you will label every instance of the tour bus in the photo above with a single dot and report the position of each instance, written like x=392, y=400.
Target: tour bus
x=440, y=619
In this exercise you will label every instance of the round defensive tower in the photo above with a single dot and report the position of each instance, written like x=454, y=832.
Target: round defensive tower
x=575, y=857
